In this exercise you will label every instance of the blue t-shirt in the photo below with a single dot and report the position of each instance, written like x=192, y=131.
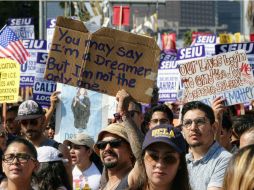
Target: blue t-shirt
x=208, y=171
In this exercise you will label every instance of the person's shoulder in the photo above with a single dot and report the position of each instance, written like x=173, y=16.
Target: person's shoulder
x=223, y=152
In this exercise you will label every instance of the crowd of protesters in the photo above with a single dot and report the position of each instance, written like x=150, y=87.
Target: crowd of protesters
x=211, y=149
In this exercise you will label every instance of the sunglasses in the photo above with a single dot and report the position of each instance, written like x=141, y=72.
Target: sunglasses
x=153, y=157
x=113, y=144
x=21, y=158
x=29, y=121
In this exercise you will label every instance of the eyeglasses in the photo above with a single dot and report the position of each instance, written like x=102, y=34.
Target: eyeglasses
x=31, y=121
x=113, y=144
x=21, y=157
x=161, y=121
x=198, y=122
x=153, y=157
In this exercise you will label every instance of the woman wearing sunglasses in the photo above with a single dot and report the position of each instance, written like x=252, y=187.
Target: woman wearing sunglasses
x=19, y=162
x=162, y=165
x=160, y=159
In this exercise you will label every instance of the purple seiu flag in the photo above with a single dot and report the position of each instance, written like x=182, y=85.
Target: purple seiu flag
x=11, y=47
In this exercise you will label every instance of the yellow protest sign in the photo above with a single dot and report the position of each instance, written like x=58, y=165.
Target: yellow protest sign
x=225, y=38
x=237, y=37
x=9, y=80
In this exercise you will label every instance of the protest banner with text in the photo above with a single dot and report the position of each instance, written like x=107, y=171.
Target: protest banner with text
x=9, y=80
x=104, y=61
x=168, y=77
x=28, y=70
x=248, y=47
x=220, y=75
x=23, y=27
x=42, y=88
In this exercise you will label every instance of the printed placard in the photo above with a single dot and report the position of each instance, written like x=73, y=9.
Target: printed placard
x=105, y=61
x=51, y=23
x=248, y=47
x=23, y=27
x=168, y=78
x=9, y=80
x=81, y=111
x=209, y=41
x=228, y=75
x=28, y=69
x=42, y=88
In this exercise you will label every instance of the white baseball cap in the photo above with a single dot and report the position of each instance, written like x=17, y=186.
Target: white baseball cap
x=49, y=154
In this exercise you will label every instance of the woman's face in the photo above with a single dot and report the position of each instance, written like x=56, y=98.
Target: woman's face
x=161, y=164
x=18, y=164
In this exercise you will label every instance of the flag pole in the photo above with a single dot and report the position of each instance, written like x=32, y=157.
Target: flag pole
x=3, y=28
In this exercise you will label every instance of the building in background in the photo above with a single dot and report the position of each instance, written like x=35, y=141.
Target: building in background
x=181, y=16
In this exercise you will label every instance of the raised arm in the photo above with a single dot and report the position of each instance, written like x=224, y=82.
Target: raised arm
x=53, y=101
x=218, y=108
x=135, y=135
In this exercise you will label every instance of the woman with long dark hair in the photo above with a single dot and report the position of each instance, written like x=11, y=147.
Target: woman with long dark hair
x=52, y=174
x=162, y=165
x=19, y=164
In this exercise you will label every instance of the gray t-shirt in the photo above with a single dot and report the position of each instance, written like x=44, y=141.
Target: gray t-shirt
x=208, y=171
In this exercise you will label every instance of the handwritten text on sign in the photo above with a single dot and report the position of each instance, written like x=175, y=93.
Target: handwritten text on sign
x=99, y=63
x=203, y=78
x=9, y=80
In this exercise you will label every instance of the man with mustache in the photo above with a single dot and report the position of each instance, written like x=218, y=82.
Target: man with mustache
x=207, y=160
x=116, y=153
x=32, y=119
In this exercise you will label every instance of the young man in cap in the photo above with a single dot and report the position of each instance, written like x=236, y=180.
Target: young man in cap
x=85, y=172
x=32, y=120
x=207, y=160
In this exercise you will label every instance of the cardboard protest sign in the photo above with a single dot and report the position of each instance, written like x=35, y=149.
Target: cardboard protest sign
x=220, y=75
x=104, y=61
x=9, y=80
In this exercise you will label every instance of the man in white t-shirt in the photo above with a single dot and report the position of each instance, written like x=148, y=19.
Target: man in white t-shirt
x=85, y=172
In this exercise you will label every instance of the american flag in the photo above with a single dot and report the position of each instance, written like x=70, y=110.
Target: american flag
x=11, y=46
